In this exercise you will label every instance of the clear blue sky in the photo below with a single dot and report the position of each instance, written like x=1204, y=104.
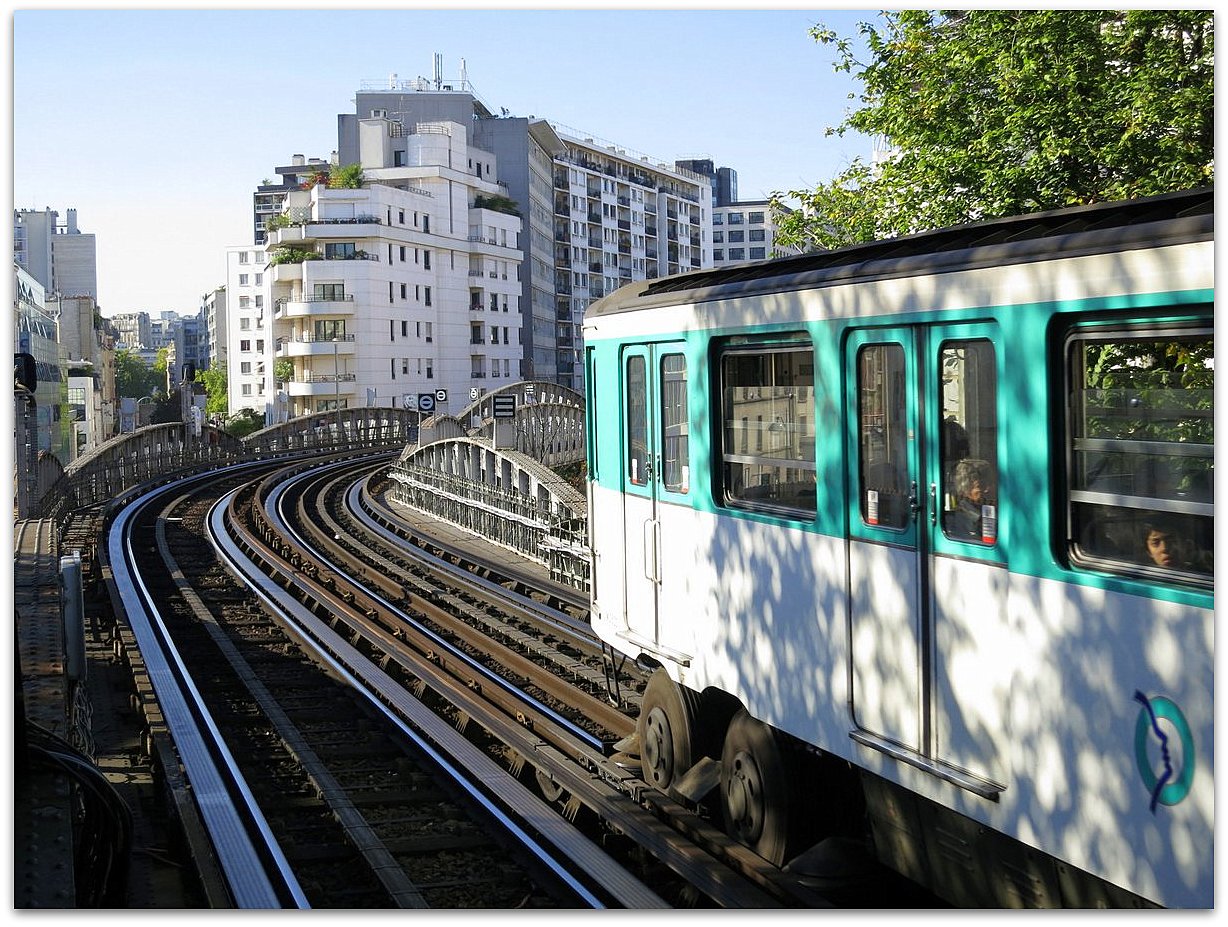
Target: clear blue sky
x=157, y=125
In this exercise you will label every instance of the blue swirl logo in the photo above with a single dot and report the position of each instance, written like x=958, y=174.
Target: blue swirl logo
x=1166, y=784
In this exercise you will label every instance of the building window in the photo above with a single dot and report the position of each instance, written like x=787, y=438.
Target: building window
x=737, y=254
x=757, y=235
x=718, y=218
x=243, y=257
x=758, y=254
x=245, y=345
x=402, y=254
x=339, y=250
x=755, y=218
x=718, y=238
x=427, y=294
x=737, y=237
x=718, y=254
x=735, y=218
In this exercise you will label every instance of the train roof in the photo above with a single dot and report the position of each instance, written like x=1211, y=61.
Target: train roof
x=1169, y=218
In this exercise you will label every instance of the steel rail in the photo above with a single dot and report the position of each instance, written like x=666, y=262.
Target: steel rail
x=273, y=505
x=600, y=785
x=490, y=785
x=363, y=508
x=257, y=872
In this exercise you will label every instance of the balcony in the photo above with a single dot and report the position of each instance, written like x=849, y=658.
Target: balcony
x=325, y=384
x=309, y=346
x=287, y=308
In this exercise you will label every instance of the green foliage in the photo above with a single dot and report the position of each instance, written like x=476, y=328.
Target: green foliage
x=214, y=379
x=279, y=221
x=348, y=177
x=283, y=370
x=988, y=113
x=244, y=422
x=134, y=378
x=292, y=255
x=497, y=204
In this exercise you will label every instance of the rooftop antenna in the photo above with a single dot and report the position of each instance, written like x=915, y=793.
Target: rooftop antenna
x=438, y=70
x=464, y=80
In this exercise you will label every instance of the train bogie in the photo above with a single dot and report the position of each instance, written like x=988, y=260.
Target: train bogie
x=931, y=522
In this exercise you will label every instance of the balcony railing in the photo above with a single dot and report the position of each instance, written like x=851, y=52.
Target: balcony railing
x=314, y=298
x=312, y=339
x=326, y=378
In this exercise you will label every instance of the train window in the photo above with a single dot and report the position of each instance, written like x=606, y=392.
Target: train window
x=883, y=460
x=675, y=427
x=637, y=421
x=968, y=387
x=767, y=397
x=1140, y=464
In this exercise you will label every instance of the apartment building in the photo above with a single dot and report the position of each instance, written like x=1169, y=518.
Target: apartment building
x=596, y=215
x=619, y=217
x=408, y=285
x=744, y=232
x=57, y=254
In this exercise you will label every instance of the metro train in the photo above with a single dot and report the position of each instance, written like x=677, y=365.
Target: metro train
x=916, y=537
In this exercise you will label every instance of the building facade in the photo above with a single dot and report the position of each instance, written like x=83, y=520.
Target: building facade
x=406, y=286
x=58, y=255
x=596, y=216
x=37, y=334
x=744, y=232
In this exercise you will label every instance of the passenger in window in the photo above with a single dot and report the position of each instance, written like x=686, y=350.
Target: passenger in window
x=974, y=491
x=1166, y=545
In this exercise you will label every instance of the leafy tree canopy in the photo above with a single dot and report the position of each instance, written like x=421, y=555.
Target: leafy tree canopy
x=214, y=378
x=989, y=113
x=134, y=378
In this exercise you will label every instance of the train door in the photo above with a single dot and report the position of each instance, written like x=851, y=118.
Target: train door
x=656, y=471
x=927, y=579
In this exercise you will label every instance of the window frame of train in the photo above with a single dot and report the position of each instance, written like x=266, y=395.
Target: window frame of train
x=735, y=436
x=1106, y=522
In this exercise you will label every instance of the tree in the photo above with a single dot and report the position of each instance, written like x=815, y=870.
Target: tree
x=214, y=378
x=134, y=378
x=988, y=113
x=244, y=422
x=348, y=177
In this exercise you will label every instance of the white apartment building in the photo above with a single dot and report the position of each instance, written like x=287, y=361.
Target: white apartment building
x=406, y=286
x=744, y=232
x=596, y=215
x=618, y=218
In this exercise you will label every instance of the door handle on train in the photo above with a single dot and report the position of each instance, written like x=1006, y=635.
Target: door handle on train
x=651, y=572
x=915, y=504
x=933, y=503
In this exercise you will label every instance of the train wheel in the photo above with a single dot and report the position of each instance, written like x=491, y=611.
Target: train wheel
x=667, y=729
x=756, y=796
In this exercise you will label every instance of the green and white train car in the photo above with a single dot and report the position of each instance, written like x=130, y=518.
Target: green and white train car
x=918, y=536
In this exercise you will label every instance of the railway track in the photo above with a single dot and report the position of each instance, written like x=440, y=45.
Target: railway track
x=316, y=793
x=346, y=656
